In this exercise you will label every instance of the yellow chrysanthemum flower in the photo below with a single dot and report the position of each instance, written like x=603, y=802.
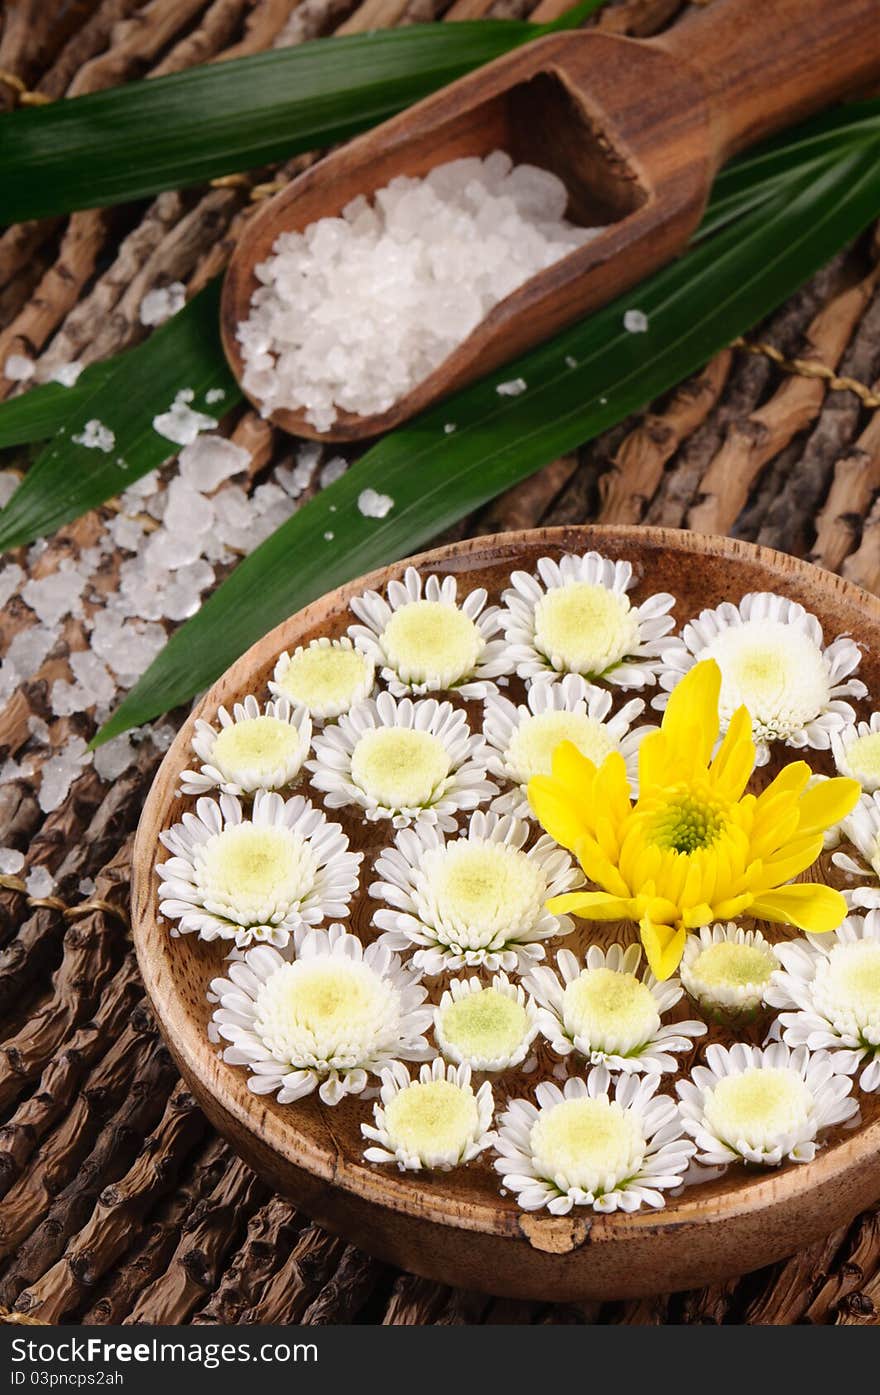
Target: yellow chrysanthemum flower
x=694, y=848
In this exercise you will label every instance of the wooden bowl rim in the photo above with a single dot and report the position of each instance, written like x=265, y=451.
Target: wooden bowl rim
x=385, y=1186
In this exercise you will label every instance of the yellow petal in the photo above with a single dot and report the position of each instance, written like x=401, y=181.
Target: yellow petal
x=826, y=804
x=664, y=946
x=556, y=811
x=573, y=770
x=690, y=722
x=599, y=869
x=808, y=905
x=792, y=859
x=592, y=905
x=611, y=790
x=735, y=761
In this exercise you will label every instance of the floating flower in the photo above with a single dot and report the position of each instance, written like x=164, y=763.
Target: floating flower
x=609, y=1013
x=521, y=740
x=727, y=970
x=333, y=1016
x=488, y=1027
x=252, y=750
x=611, y=1147
x=255, y=878
x=761, y=1106
x=862, y=828
x=476, y=900
x=578, y=618
x=410, y=762
x=833, y=985
x=774, y=662
x=436, y=1121
x=327, y=677
x=856, y=751
x=694, y=847
x=425, y=643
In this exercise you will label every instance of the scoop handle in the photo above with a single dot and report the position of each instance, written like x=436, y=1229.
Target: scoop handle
x=769, y=63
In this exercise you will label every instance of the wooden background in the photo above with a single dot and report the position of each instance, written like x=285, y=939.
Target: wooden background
x=117, y=1201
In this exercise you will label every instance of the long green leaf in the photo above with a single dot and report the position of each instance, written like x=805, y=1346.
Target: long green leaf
x=694, y=307
x=68, y=478
x=129, y=142
x=41, y=411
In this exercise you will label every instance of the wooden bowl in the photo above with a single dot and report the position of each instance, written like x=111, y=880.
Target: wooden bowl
x=455, y=1227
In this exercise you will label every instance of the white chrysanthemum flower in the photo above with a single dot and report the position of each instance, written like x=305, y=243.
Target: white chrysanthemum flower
x=327, y=677
x=333, y=1016
x=856, y=751
x=727, y=970
x=832, y=983
x=410, y=762
x=762, y=1106
x=578, y=618
x=487, y=1026
x=252, y=750
x=476, y=900
x=425, y=643
x=609, y=1013
x=255, y=878
x=521, y=740
x=593, y=1143
x=773, y=661
x=862, y=828
x=435, y=1121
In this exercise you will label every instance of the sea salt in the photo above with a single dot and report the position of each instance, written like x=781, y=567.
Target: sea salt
x=18, y=368
x=449, y=428
x=87, y=886
x=39, y=882
x=635, y=322
x=95, y=436
x=356, y=310
x=328, y=536
x=66, y=373
x=182, y=423
x=332, y=471
x=54, y=596
x=373, y=505
x=162, y=302
x=570, y=361
x=11, y=578
x=209, y=460
x=512, y=388
x=59, y=773
x=9, y=482
x=114, y=758
x=214, y=395
x=11, y=861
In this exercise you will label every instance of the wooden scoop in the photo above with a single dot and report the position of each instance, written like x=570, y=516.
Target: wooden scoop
x=636, y=130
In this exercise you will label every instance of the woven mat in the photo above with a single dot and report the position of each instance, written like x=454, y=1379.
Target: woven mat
x=118, y=1203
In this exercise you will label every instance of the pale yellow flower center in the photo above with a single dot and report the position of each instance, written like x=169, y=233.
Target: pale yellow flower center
x=398, y=767
x=473, y=892
x=325, y=677
x=848, y=984
x=758, y=1108
x=532, y=745
x=432, y=1120
x=863, y=757
x=775, y=671
x=731, y=965
x=430, y=641
x=259, y=747
x=609, y=1011
x=323, y=1010
x=585, y=628
x=484, y=1026
x=593, y=1144
x=254, y=875
x=685, y=822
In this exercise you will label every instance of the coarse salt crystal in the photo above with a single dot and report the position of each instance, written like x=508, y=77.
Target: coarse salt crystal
x=95, y=436
x=11, y=861
x=209, y=460
x=9, y=482
x=18, y=368
x=182, y=423
x=159, y=304
x=373, y=505
x=449, y=428
x=513, y=388
x=66, y=373
x=635, y=322
x=214, y=395
x=334, y=470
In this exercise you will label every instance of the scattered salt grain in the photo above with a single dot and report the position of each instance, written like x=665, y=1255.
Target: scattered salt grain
x=214, y=395
x=59, y=773
x=162, y=302
x=355, y=310
x=66, y=373
x=95, y=436
x=209, y=460
x=449, y=428
x=54, y=596
x=328, y=537
x=39, y=882
x=570, y=361
x=9, y=482
x=18, y=368
x=182, y=423
x=87, y=886
x=39, y=730
x=373, y=505
x=334, y=470
x=635, y=322
x=112, y=759
x=11, y=578
x=512, y=388
x=11, y=861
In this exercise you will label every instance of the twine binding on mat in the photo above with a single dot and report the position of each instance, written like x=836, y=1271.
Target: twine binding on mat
x=54, y=903
x=23, y=97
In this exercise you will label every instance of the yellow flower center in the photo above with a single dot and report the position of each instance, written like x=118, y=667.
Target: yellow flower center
x=734, y=966
x=258, y=747
x=326, y=677
x=758, y=1108
x=531, y=748
x=399, y=768
x=775, y=671
x=585, y=628
x=686, y=822
x=589, y=1143
x=477, y=894
x=431, y=642
x=433, y=1119
x=848, y=986
x=484, y=1026
x=863, y=757
x=323, y=1011
x=252, y=875
x=609, y=1011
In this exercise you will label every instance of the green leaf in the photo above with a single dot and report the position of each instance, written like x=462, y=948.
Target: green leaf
x=38, y=413
x=67, y=479
x=694, y=306
x=132, y=141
